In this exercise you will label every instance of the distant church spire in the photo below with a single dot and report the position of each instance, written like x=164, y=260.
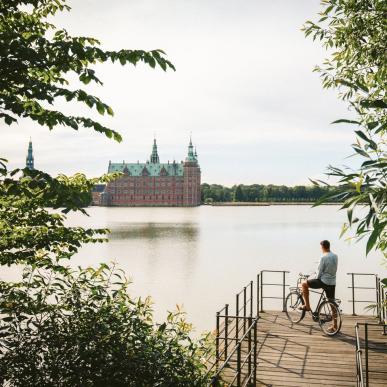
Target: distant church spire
x=154, y=159
x=30, y=157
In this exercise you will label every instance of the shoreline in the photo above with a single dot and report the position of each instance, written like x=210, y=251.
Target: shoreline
x=264, y=204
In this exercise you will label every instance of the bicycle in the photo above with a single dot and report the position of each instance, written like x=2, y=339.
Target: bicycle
x=327, y=310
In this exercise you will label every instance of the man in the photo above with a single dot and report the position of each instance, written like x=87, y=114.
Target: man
x=325, y=277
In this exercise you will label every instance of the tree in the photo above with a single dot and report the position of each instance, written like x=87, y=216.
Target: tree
x=354, y=33
x=357, y=67
x=37, y=59
x=239, y=195
x=61, y=326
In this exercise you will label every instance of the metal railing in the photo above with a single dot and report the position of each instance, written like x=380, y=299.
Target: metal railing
x=382, y=303
x=359, y=360
x=244, y=303
x=380, y=294
x=233, y=329
x=362, y=368
x=240, y=363
x=261, y=284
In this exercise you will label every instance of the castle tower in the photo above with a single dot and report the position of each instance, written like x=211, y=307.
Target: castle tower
x=192, y=176
x=154, y=159
x=30, y=157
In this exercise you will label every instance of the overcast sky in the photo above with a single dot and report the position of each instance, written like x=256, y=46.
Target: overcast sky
x=244, y=87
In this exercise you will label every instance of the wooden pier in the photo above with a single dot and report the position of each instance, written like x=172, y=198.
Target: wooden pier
x=301, y=355
x=257, y=348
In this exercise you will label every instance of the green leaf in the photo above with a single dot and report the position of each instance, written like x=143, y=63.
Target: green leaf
x=372, y=240
x=376, y=104
x=342, y=120
x=100, y=108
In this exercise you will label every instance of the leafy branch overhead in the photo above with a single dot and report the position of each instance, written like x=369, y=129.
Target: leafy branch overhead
x=37, y=58
x=354, y=33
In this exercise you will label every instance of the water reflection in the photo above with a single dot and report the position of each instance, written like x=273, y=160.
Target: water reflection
x=186, y=231
x=200, y=257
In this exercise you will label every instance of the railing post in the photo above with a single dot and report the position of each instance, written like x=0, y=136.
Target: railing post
x=385, y=312
x=384, y=307
x=217, y=341
x=255, y=351
x=226, y=333
x=244, y=309
x=258, y=296
x=283, y=290
x=251, y=298
x=239, y=344
x=261, y=292
x=378, y=310
x=353, y=294
x=249, y=349
x=366, y=350
x=237, y=319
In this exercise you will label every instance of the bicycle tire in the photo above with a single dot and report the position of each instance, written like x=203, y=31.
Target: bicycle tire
x=325, y=315
x=293, y=301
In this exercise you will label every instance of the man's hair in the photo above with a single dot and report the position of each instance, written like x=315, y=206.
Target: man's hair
x=325, y=244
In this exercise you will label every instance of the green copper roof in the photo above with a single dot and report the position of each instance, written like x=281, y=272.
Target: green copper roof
x=154, y=167
x=150, y=169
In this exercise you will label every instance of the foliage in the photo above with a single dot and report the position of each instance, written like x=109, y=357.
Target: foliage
x=93, y=334
x=355, y=35
x=61, y=326
x=38, y=59
x=32, y=234
x=262, y=193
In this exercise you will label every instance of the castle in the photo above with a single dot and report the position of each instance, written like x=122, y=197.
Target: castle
x=153, y=183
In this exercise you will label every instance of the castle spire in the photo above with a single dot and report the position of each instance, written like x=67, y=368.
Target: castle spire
x=154, y=159
x=30, y=156
x=191, y=155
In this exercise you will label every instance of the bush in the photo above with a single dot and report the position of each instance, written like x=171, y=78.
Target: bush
x=89, y=332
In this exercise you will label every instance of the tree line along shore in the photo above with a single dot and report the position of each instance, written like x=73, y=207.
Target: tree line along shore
x=259, y=194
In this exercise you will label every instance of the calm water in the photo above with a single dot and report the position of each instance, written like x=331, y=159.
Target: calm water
x=200, y=257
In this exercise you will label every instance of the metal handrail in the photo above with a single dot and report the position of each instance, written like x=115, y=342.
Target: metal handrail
x=362, y=372
x=250, y=358
x=359, y=360
x=380, y=295
x=261, y=284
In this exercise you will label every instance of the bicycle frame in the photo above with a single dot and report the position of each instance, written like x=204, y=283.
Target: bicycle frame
x=322, y=294
x=320, y=301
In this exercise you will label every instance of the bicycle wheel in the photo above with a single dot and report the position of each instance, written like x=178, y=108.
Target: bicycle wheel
x=329, y=318
x=293, y=301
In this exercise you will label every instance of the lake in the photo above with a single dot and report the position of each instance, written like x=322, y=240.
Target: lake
x=200, y=257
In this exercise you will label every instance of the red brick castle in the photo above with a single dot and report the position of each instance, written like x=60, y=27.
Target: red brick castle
x=154, y=183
